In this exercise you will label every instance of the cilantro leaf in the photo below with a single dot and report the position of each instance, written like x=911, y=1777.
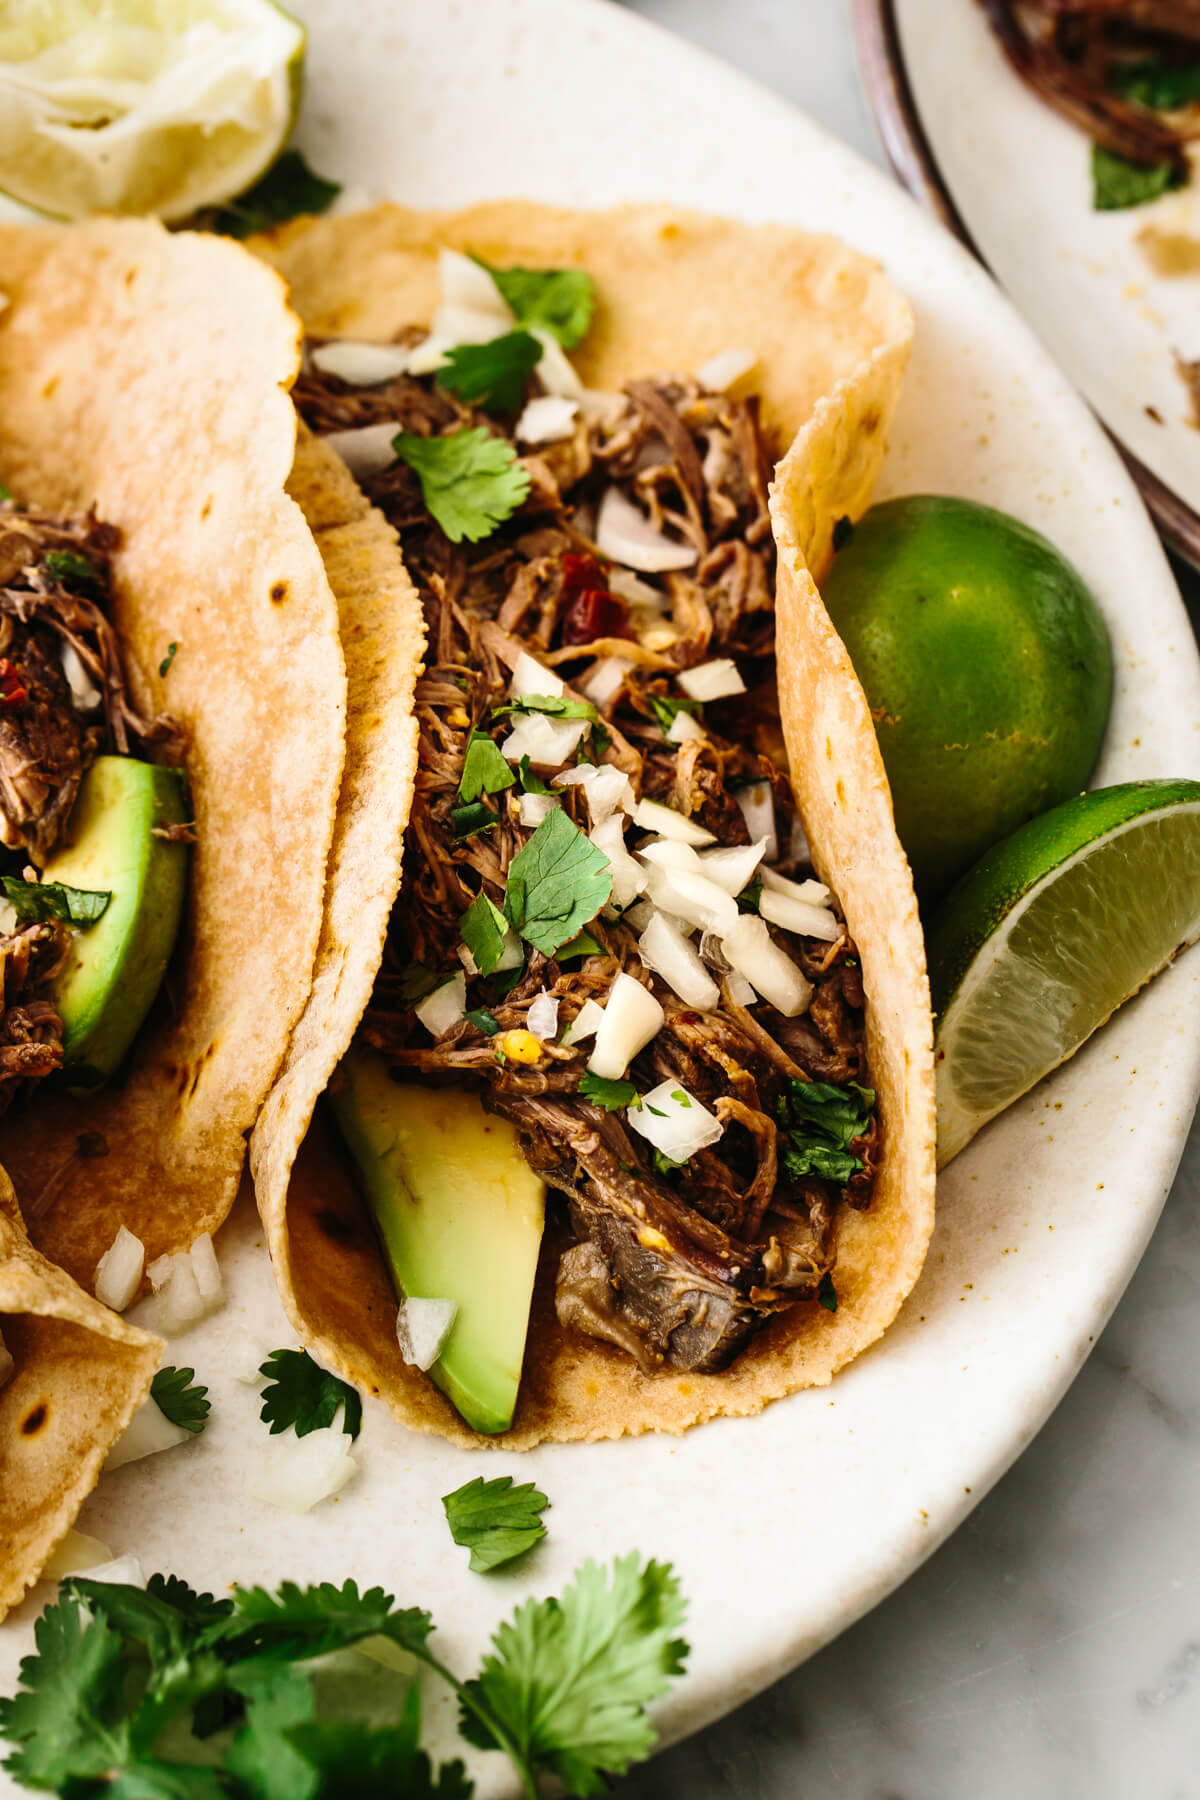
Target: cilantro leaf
x=494, y=1520
x=492, y=375
x=827, y=1293
x=483, y=1021
x=750, y=897
x=471, y=481
x=560, y=706
x=569, y=1679
x=288, y=189
x=532, y=784
x=261, y=1756
x=812, y=1158
x=33, y=901
x=69, y=1719
x=613, y=1096
x=667, y=706
x=300, y=1392
x=1155, y=83
x=559, y=301
x=664, y=1164
x=177, y=1400
x=484, y=769
x=69, y=565
x=840, y=1114
x=467, y=820
x=583, y=945
x=297, y=1623
x=164, y=667
x=1118, y=183
x=414, y=983
x=557, y=883
x=355, y=1762
x=153, y=1780
x=483, y=929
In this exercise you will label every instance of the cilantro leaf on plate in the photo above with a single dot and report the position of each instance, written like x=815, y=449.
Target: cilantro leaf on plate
x=297, y=1623
x=569, y=1679
x=289, y=187
x=33, y=901
x=483, y=928
x=484, y=770
x=557, y=883
x=300, y=1392
x=558, y=301
x=613, y=1096
x=376, y=1763
x=491, y=375
x=178, y=1400
x=494, y=1520
x=470, y=480
x=1118, y=183
x=69, y=1720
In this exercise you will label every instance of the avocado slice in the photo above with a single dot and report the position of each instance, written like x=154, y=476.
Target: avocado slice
x=459, y=1213
x=112, y=974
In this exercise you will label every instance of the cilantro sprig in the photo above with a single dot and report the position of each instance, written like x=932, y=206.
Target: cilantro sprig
x=470, y=481
x=557, y=301
x=35, y=901
x=300, y=1393
x=613, y=1096
x=175, y=1396
x=557, y=883
x=1118, y=183
x=821, y=1121
x=492, y=375
x=494, y=1520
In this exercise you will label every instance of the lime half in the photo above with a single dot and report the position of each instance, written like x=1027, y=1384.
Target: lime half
x=1045, y=937
x=143, y=106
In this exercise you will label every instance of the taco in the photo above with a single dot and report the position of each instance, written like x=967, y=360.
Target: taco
x=629, y=1117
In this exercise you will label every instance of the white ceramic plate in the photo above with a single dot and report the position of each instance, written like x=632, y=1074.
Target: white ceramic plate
x=784, y=1528
x=1020, y=179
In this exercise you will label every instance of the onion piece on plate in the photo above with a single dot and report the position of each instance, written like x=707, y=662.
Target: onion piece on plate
x=632, y=1016
x=625, y=535
x=119, y=1271
x=76, y=1554
x=313, y=1468
x=715, y=680
x=422, y=1327
x=441, y=1011
x=665, y=950
x=674, y=1121
x=148, y=1432
x=752, y=951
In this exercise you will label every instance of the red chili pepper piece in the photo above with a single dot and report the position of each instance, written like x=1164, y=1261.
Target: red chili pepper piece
x=12, y=690
x=593, y=611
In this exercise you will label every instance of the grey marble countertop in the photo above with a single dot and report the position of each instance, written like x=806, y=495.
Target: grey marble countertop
x=1051, y=1649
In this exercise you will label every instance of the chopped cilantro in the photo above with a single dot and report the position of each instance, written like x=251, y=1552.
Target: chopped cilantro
x=492, y=375
x=506, y=979
x=1155, y=83
x=5, y=492
x=175, y=1397
x=663, y=1164
x=532, y=784
x=470, y=480
x=467, y=820
x=414, y=982
x=557, y=883
x=301, y=1393
x=827, y=1293
x=560, y=706
x=821, y=1121
x=601, y=739
x=559, y=301
x=678, y=1095
x=613, y=1096
x=483, y=1021
x=843, y=531
x=583, y=945
x=494, y=1520
x=666, y=706
x=484, y=769
x=164, y=666
x=1118, y=183
x=288, y=189
x=68, y=565
x=750, y=897
x=501, y=1058
x=483, y=928
x=33, y=901
x=811, y=1157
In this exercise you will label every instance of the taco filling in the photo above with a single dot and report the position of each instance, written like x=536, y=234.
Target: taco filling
x=89, y=831
x=609, y=928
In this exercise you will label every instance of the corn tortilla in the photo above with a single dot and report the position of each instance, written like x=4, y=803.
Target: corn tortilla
x=833, y=338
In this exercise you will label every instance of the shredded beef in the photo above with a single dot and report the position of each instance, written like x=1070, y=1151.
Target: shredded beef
x=30, y=1029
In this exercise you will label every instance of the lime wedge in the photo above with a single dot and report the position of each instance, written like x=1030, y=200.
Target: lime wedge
x=1046, y=936
x=143, y=106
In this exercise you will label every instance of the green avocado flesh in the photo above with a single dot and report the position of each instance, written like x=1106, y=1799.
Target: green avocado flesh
x=459, y=1213
x=115, y=966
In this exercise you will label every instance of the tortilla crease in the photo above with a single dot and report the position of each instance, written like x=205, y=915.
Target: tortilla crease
x=81, y=1373
x=147, y=374
x=833, y=336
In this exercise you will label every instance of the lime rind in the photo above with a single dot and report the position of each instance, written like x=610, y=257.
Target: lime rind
x=1072, y=945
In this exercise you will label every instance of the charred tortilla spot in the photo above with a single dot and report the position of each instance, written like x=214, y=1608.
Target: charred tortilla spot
x=206, y=509
x=279, y=591
x=33, y=1422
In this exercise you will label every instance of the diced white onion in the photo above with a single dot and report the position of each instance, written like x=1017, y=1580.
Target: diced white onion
x=361, y=364
x=85, y=695
x=714, y=680
x=464, y=282
x=674, y=1121
x=119, y=1271
x=148, y=1432
x=799, y=916
x=311, y=1470
x=547, y=742
x=632, y=1016
x=685, y=729
x=798, y=848
x=630, y=587
x=429, y=355
x=665, y=950
x=7, y=1365
x=607, y=789
x=177, y=1302
x=670, y=824
x=125, y=1571
x=740, y=991
x=547, y=419
x=751, y=950
x=605, y=679
x=723, y=371
x=555, y=370
x=246, y=1355
x=624, y=533
x=365, y=449
x=76, y=1554
x=533, y=808
x=207, y=1271
x=532, y=677
x=585, y=1023
x=735, y=866
x=441, y=1011
x=693, y=898
x=757, y=803
x=628, y=876
x=814, y=892
x=422, y=1327
x=669, y=853
x=542, y=1017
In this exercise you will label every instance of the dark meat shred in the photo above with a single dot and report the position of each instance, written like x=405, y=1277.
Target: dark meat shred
x=30, y=1029
x=677, y=1266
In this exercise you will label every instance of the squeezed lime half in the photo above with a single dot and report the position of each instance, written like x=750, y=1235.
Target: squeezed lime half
x=1049, y=933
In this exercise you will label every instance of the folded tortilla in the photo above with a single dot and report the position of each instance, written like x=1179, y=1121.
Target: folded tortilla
x=833, y=337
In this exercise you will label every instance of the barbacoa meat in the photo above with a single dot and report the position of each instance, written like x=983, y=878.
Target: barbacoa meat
x=675, y=1265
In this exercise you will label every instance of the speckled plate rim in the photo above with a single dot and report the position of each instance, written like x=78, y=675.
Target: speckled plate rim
x=906, y=143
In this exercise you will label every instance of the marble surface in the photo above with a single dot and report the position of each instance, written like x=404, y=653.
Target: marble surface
x=1052, y=1647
